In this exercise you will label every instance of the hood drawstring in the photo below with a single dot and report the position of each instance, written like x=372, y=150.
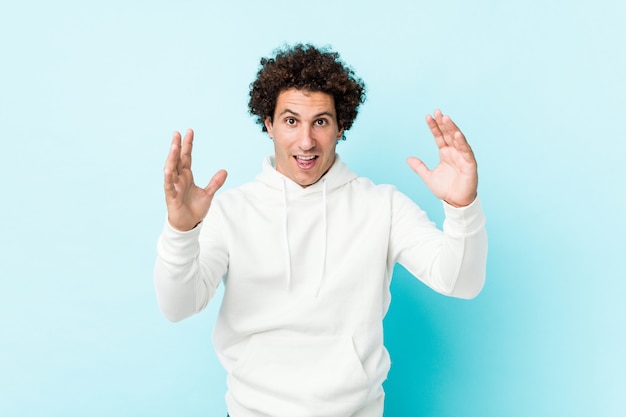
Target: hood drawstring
x=286, y=230
x=325, y=231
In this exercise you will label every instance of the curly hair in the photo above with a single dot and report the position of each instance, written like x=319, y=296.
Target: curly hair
x=306, y=67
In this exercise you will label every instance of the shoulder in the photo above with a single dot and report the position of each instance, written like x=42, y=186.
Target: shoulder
x=244, y=196
x=367, y=195
x=376, y=194
x=366, y=186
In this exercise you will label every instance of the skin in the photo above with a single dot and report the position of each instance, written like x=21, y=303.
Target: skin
x=455, y=179
x=305, y=125
x=305, y=133
x=187, y=204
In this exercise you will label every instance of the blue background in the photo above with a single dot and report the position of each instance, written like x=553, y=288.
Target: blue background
x=90, y=92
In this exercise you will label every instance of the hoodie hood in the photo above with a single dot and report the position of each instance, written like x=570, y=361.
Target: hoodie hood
x=338, y=175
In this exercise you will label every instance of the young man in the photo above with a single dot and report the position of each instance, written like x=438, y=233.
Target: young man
x=306, y=251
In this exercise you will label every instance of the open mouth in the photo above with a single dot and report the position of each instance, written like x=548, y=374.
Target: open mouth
x=305, y=161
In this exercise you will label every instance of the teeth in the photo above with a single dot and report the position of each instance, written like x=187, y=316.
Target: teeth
x=305, y=158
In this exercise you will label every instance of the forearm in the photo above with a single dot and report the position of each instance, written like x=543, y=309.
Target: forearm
x=182, y=286
x=460, y=268
x=452, y=261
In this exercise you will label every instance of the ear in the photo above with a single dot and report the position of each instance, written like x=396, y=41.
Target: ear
x=269, y=126
x=340, y=133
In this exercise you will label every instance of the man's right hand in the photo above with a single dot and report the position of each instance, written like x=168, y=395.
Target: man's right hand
x=187, y=204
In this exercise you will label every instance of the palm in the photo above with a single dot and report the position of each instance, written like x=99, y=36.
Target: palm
x=455, y=178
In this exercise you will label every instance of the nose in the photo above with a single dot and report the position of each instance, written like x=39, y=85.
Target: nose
x=307, y=140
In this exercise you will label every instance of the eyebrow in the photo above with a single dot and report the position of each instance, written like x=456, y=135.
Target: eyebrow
x=324, y=113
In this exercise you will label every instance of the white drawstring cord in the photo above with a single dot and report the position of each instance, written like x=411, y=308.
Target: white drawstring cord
x=286, y=230
x=325, y=231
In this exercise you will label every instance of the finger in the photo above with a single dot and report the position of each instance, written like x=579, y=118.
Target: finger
x=185, y=153
x=436, y=131
x=449, y=126
x=172, y=161
x=460, y=144
x=419, y=167
x=168, y=185
x=216, y=182
x=174, y=151
x=458, y=139
x=446, y=129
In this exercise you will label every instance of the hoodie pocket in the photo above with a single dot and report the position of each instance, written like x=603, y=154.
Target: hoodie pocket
x=295, y=374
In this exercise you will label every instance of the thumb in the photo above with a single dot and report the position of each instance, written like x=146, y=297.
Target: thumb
x=216, y=182
x=419, y=167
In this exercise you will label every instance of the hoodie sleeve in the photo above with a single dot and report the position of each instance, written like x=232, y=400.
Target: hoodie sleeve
x=452, y=261
x=188, y=268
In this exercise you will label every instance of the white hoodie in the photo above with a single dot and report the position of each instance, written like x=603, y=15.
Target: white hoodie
x=306, y=275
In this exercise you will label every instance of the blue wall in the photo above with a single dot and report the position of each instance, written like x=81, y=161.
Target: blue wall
x=91, y=91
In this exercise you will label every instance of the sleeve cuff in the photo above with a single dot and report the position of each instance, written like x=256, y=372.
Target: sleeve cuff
x=463, y=221
x=177, y=246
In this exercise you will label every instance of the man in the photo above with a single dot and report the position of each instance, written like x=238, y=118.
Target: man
x=306, y=251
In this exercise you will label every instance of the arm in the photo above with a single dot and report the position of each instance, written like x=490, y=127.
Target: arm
x=183, y=287
x=452, y=262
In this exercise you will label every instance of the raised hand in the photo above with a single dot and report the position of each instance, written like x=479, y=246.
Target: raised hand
x=455, y=179
x=187, y=204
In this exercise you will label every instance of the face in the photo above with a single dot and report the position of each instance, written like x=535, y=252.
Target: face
x=305, y=132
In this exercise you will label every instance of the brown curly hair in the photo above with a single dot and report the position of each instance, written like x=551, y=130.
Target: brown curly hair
x=306, y=67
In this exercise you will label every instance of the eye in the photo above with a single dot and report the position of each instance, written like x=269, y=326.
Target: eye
x=290, y=121
x=321, y=122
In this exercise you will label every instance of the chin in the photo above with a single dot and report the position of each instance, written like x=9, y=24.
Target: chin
x=305, y=182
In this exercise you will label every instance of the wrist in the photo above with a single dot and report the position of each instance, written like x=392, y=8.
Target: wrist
x=182, y=227
x=465, y=203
